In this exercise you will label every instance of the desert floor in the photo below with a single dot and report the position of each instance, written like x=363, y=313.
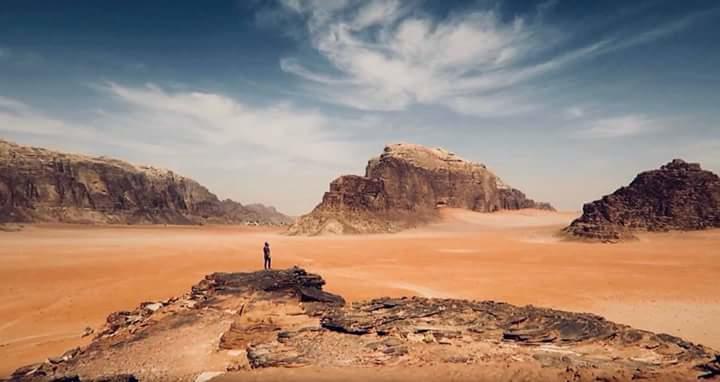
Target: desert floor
x=57, y=280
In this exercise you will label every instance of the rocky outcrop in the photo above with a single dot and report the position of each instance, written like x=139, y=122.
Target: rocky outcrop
x=38, y=185
x=284, y=319
x=403, y=188
x=678, y=196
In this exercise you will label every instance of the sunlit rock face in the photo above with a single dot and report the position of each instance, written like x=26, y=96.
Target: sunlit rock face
x=403, y=187
x=39, y=185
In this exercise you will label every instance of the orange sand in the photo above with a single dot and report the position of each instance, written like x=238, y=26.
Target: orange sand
x=56, y=280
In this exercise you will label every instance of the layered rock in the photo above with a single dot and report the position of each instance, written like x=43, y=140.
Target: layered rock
x=403, y=187
x=678, y=196
x=39, y=185
x=237, y=322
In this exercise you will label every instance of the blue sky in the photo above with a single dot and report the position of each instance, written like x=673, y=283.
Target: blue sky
x=268, y=101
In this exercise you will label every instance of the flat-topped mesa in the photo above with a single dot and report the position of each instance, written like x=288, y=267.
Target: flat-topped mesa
x=39, y=185
x=678, y=196
x=403, y=187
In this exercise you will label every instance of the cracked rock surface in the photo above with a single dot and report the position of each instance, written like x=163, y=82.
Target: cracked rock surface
x=243, y=323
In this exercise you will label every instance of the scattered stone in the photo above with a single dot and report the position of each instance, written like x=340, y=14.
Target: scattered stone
x=208, y=375
x=27, y=371
x=273, y=354
x=88, y=331
x=710, y=369
x=457, y=359
x=116, y=378
x=152, y=306
x=10, y=227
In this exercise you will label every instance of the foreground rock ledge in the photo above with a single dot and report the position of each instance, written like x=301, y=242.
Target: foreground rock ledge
x=236, y=322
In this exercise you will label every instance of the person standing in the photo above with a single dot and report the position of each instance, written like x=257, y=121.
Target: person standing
x=266, y=256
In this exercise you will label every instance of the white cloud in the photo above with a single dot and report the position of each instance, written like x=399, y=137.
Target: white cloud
x=574, y=112
x=384, y=56
x=22, y=119
x=215, y=119
x=408, y=60
x=187, y=118
x=246, y=152
x=10, y=104
x=490, y=106
x=375, y=13
x=623, y=126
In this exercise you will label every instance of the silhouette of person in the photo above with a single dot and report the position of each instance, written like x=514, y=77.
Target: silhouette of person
x=266, y=256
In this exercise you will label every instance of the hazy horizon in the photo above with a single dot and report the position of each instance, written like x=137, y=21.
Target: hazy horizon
x=268, y=101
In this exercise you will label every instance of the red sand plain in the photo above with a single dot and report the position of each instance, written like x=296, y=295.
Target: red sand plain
x=57, y=280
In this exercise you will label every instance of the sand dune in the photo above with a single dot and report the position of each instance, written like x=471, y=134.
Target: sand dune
x=56, y=280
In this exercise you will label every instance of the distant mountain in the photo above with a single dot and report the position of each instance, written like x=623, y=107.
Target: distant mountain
x=404, y=187
x=40, y=185
x=678, y=196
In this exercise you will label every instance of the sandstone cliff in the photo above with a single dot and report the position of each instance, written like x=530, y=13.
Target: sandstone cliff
x=39, y=185
x=678, y=196
x=403, y=187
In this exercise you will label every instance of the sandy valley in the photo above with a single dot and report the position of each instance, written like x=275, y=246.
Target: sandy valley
x=58, y=280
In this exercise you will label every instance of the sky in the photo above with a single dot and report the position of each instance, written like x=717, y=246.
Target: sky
x=268, y=101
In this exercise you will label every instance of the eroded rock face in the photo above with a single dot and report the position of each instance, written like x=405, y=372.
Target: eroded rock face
x=38, y=185
x=678, y=196
x=403, y=187
x=275, y=319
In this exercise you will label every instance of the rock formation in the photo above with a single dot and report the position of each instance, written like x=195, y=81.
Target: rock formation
x=403, y=187
x=39, y=185
x=678, y=196
x=237, y=322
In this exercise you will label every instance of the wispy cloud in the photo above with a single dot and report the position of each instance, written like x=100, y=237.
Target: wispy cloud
x=491, y=106
x=240, y=150
x=186, y=118
x=385, y=57
x=623, y=126
x=574, y=112
x=215, y=119
x=13, y=105
x=22, y=119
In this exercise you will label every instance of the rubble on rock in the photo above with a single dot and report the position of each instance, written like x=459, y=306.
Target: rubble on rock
x=39, y=185
x=678, y=196
x=403, y=187
x=268, y=319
